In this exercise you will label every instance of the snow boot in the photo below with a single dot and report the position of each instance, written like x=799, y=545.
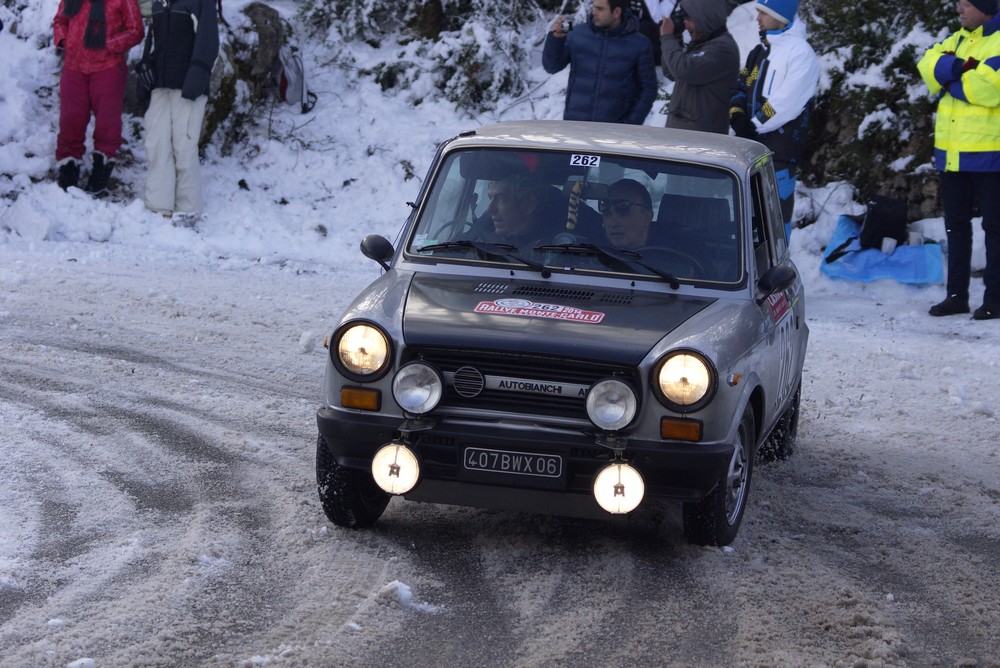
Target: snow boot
x=69, y=173
x=100, y=174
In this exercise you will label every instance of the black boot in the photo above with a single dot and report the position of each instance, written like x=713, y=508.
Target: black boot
x=100, y=174
x=69, y=173
x=952, y=305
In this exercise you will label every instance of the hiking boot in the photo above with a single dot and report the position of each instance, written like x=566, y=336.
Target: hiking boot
x=952, y=305
x=986, y=312
x=69, y=173
x=100, y=174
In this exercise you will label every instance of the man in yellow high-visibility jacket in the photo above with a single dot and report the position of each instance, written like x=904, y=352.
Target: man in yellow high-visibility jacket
x=965, y=70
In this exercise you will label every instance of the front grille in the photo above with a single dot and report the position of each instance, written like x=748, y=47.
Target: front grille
x=461, y=365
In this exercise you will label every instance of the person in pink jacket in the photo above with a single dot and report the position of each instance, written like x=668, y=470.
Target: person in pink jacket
x=94, y=36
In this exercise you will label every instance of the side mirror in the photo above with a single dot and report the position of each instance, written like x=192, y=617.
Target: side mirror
x=378, y=248
x=774, y=280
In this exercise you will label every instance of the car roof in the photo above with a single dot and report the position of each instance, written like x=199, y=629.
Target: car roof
x=641, y=141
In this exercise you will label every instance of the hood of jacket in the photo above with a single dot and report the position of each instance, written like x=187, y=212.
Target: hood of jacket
x=709, y=16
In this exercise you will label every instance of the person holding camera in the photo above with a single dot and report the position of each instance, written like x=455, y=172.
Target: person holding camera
x=612, y=76
x=94, y=36
x=704, y=72
x=964, y=72
x=774, y=94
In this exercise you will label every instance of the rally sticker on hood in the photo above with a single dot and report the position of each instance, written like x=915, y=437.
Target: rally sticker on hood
x=530, y=309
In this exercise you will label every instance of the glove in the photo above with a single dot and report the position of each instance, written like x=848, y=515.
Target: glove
x=970, y=64
x=145, y=71
x=742, y=126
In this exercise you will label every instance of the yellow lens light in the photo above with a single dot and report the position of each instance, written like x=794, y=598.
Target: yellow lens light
x=362, y=399
x=677, y=429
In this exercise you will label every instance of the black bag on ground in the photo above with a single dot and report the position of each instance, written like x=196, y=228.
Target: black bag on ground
x=886, y=217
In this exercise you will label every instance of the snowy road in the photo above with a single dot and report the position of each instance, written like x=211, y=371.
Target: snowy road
x=158, y=504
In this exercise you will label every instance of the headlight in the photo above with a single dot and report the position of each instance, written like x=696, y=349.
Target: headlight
x=611, y=404
x=362, y=351
x=686, y=380
x=417, y=388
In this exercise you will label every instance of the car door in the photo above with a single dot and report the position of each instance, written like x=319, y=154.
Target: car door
x=782, y=313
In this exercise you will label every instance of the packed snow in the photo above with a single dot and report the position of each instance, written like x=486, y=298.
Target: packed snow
x=157, y=394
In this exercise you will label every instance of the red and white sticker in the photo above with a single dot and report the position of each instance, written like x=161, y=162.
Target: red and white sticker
x=779, y=305
x=529, y=309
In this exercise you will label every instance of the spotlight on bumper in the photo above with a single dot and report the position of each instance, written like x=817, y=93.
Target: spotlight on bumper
x=619, y=488
x=395, y=468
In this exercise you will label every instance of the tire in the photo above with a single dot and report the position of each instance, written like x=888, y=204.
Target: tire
x=715, y=520
x=350, y=497
x=780, y=443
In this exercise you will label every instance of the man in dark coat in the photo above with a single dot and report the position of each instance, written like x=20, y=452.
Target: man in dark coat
x=705, y=71
x=612, y=76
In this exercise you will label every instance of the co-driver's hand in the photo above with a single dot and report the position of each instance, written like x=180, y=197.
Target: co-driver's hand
x=557, y=28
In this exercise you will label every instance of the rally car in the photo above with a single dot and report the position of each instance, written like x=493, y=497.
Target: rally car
x=523, y=349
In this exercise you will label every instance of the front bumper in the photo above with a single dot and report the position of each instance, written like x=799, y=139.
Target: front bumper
x=671, y=470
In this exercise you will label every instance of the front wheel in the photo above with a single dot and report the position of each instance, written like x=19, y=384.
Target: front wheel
x=715, y=520
x=350, y=497
x=780, y=444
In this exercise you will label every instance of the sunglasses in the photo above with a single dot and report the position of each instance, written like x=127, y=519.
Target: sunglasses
x=619, y=206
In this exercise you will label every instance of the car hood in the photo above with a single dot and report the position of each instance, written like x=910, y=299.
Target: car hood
x=619, y=326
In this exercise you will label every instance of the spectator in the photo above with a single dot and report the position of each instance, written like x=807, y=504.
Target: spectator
x=704, y=73
x=627, y=212
x=964, y=71
x=185, y=45
x=774, y=94
x=94, y=36
x=612, y=76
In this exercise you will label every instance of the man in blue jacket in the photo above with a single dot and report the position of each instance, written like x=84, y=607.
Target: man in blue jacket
x=612, y=76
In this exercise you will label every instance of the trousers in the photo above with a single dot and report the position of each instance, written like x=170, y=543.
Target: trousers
x=101, y=94
x=173, y=128
x=960, y=191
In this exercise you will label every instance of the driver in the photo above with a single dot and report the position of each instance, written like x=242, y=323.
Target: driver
x=515, y=204
x=627, y=213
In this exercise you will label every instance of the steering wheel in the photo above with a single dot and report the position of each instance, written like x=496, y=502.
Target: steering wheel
x=457, y=227
x=685, y=259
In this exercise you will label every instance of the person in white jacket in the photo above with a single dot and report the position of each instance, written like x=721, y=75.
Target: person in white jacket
x=775, y=93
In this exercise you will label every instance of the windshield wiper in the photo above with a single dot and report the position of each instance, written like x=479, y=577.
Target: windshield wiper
x=489, y=250
x=619, y=254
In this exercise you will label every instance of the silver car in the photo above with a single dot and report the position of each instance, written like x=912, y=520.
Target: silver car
x=576, y=318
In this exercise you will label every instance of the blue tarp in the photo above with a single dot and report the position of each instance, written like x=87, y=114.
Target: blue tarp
x=908, y=264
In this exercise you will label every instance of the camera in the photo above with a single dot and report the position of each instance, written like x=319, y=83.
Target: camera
x=678, y=16
x=567, y=24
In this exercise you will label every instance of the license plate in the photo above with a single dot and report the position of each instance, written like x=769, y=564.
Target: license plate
x=513, y=463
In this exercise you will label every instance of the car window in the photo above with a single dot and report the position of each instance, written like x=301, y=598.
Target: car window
x=582, y=212
x=767, y=226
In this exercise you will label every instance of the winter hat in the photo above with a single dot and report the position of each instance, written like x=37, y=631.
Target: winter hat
x=985, y=6
x=784, y=10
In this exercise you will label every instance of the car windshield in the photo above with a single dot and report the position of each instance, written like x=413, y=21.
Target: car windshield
x=573, y=212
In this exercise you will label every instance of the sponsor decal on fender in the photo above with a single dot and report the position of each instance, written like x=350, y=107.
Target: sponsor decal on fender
x=779, y=305
x=529, y=309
